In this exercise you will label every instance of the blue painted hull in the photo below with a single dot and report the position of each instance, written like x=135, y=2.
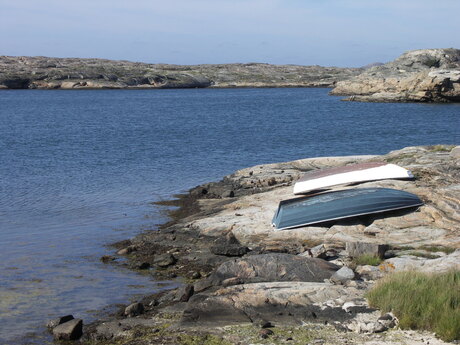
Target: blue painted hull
x=342, y=204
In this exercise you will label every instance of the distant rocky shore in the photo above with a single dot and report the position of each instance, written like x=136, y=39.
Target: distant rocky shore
x=75, y=73
x=428, y=75
x=243, y=282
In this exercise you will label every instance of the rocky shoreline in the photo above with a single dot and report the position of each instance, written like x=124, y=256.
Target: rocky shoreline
x=77, y=73
x=243, y=282
x=427, y=75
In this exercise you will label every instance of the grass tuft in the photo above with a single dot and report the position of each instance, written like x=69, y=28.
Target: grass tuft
x=367, y=259
x=421, y=301
x=209, y=339
x=423, y=255
x=435, y=249
x=439, y=148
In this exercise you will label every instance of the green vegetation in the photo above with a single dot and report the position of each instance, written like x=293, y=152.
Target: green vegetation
x=399, y=158
x=440, y=148
x=208, y=339
x=298, y=335
x=432, y=62
x=421, y=301
x=423, y=255
x=367, y=259
x=435, y=249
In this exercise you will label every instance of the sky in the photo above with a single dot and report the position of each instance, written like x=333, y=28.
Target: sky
x=306, y=32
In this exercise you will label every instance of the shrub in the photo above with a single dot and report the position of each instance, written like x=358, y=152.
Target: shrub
x=421, y=301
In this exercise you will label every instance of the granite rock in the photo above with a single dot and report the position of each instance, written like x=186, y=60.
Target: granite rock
x=273, y=267
x=70, y=330
x=427, y=75
x=77, y=73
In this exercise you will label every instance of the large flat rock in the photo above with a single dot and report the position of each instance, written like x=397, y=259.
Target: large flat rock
x=436, y=223
x=291, y=302
x=273, y=267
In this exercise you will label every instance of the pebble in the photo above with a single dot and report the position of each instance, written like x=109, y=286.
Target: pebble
x=196, y=275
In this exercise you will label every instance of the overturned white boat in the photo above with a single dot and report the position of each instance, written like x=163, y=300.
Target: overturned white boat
x=354, y=173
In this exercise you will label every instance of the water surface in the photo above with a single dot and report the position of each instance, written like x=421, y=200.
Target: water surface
x=79, y=169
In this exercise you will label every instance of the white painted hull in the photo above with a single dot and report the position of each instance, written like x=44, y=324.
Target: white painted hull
x=383, y=172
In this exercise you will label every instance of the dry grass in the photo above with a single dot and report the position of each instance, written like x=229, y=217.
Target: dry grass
x=421, y=301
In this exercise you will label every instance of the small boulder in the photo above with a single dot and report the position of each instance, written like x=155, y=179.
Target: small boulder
x=165, y=260
x=202, y=285
x=184, y=293
x=143, y=266
x=319, y=251
x=127, y=250
x=56, y=322
x=388, y=320
x=369, y=272
x=232, y=281
x=343, y=275
x=70, y=330
x=107, y=258
x=322, y=251
x=134, y=309
x=228, y=194
x=356, y=249
x=455, y=153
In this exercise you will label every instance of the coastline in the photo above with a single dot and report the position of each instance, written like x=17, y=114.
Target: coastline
x=225, y=221
x=425, y=75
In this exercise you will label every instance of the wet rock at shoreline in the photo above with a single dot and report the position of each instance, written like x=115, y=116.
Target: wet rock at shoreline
x=273, y=281
x=134, y=309
x=107, y=259
x=165, y=260
x=56, y=322
x=184, y=293
x=127, y=250
x=70, y=330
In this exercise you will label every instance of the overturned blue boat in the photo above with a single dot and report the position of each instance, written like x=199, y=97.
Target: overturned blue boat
x=342, y=204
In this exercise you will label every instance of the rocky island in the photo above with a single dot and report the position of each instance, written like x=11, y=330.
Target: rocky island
x=427, y=75
x=242, y=282
x=75, y=73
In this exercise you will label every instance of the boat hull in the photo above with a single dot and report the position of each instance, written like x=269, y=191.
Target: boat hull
x=342, y=204
x=363, y=172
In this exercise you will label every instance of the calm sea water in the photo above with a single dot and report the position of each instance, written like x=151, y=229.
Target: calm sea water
x=79, y=169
